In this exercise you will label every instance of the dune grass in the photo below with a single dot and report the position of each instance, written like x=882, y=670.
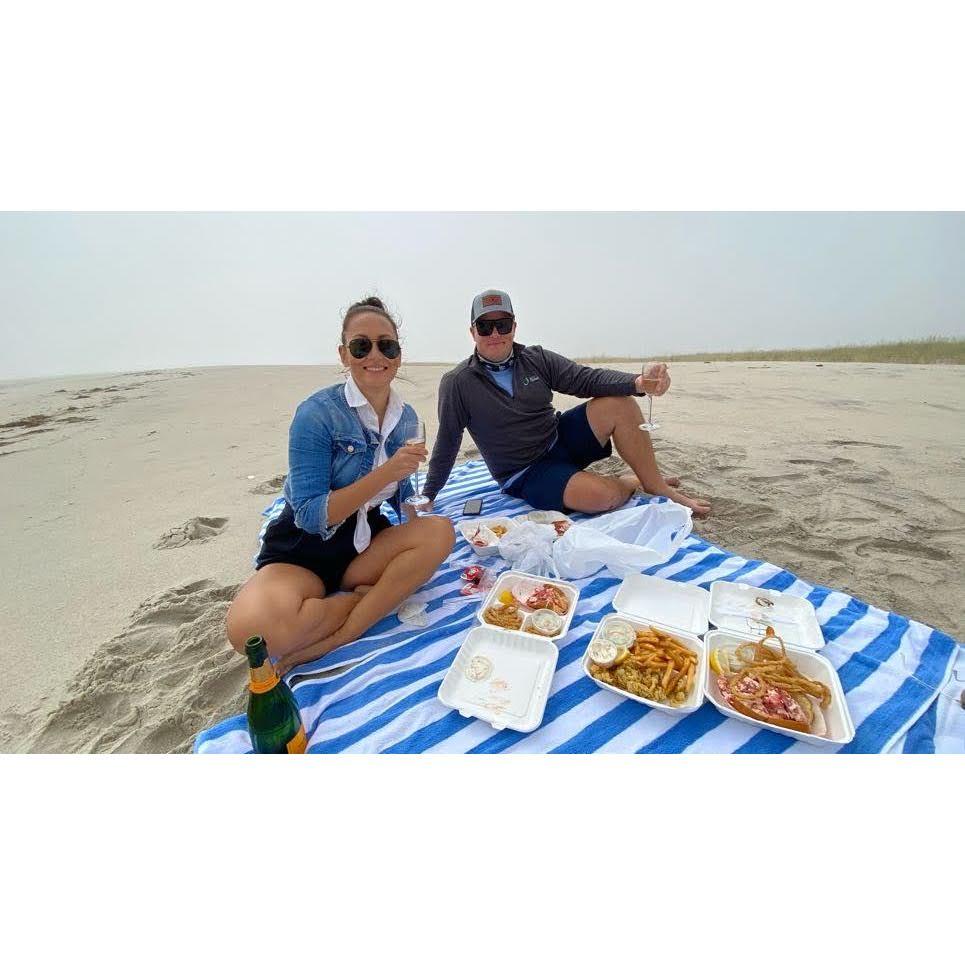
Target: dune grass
x=934, y=350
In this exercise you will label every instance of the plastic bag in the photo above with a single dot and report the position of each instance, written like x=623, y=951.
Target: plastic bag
x=529, y=547
x=625, y=542
x=414, y=613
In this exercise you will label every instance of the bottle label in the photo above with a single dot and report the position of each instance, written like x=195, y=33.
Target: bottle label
x=262, y=679
x=298, y=743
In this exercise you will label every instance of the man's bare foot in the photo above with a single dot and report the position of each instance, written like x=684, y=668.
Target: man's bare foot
x=701, y=507
x=631, y=480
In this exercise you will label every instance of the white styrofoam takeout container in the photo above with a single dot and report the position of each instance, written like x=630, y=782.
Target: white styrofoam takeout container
x=468, y=527
x=546, y=517
x=748, y=611
x=516, y=578
x=515, y=692
x=811, y=664
x=677, y=608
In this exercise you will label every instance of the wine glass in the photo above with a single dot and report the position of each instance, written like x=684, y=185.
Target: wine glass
x=649, y=425
x=418, y=438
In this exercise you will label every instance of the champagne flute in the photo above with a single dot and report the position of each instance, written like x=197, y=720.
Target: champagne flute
x=418, y=438
x=649, y=425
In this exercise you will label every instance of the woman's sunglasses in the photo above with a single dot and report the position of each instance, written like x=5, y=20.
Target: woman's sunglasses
x=504, y=326
x=361, y=346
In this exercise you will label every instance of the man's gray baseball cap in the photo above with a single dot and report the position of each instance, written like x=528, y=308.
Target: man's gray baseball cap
x=490, y=301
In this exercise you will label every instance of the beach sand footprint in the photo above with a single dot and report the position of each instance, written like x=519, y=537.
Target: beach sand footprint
x=199, y=529
x=270, y=486
x=150, y=689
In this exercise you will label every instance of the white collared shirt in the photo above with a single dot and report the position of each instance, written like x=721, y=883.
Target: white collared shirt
x=393, y=413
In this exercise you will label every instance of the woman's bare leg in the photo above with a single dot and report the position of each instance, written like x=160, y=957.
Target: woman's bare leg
x=398, y=561
x=286, y=605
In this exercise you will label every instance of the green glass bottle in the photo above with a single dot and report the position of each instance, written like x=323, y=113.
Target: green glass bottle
x=273, y=722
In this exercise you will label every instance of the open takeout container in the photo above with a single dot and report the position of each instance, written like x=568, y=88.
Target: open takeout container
x=678, y=609
x=522, y=585
x=548, y=517
x=481, y=529
x=501, y=677
x=811, y=664
x=749, y=610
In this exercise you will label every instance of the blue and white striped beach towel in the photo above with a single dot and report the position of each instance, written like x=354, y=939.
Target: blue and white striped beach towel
x=901, y=678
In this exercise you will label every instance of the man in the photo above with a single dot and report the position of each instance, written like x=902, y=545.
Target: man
x=503, y=394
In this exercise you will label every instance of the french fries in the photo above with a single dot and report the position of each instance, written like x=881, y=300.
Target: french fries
x=657, y=666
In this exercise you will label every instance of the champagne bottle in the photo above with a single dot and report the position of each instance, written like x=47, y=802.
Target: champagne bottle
x=273, y=722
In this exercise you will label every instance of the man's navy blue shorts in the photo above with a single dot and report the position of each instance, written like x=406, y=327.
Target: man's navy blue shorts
x=576, y=446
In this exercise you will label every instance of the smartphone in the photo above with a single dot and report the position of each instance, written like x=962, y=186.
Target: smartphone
x=473, y=507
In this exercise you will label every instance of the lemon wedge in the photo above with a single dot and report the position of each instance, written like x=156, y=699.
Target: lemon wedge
x=720, y=660
x=622, y=654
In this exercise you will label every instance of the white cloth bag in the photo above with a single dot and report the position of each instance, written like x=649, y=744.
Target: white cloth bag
x=625, y=542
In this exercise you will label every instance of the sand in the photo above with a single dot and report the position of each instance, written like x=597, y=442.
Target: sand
x=131, y=512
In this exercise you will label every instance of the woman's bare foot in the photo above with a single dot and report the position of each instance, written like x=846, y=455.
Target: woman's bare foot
x=307, y=654
x=673, y=481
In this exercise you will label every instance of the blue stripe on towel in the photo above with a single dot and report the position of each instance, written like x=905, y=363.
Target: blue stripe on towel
x=603, y=729
x=381, y=691
x=921, y=735
x=878, y=728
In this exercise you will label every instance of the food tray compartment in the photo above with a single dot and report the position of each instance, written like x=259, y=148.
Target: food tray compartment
x=677, y=606
x=522, y=585
x=811, y=664
x=748, y=611
x=467, y=529
x=689, y=640
x=501, y=677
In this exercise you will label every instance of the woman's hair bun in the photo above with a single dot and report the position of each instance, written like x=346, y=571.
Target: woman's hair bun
x=370, y=304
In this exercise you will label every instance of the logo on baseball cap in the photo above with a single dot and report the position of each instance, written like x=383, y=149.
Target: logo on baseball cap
x=490, y=301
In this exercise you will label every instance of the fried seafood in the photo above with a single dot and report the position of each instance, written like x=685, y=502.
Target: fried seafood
x=507, y=617
x=656, y=666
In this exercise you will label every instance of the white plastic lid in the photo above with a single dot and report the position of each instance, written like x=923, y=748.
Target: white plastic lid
x=677, y=606
x=748, y=611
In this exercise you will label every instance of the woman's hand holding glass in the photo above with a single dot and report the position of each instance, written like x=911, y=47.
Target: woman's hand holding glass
x=406, y=461
x=418, y=438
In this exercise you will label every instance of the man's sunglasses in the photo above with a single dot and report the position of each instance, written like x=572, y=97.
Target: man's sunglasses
x=361, y=346
x=504, y=326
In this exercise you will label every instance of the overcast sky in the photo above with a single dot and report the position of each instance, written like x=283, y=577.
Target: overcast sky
x=112, y=292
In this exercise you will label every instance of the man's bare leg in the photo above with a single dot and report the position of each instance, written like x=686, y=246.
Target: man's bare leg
x=586, y=492
x=619, y=417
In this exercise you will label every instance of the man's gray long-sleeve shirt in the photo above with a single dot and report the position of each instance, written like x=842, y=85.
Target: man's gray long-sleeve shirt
x=511, y=431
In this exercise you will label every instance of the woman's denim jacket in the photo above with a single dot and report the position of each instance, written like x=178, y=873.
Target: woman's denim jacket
x=329, y=448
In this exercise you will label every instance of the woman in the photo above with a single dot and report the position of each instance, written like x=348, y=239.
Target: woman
x=346, y=455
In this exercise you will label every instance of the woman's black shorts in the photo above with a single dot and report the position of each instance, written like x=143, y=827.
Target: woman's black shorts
x=328, y=558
